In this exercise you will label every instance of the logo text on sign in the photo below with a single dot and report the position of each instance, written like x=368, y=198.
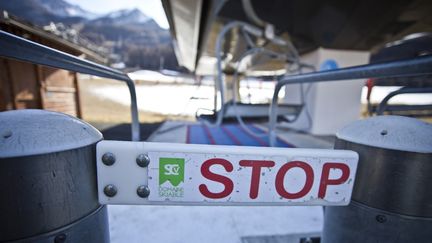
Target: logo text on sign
x=171, y=175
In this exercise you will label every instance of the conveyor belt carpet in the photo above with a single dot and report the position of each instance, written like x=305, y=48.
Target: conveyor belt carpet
x=230, y=134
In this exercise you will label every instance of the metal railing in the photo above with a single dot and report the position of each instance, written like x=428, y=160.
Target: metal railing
x=24, y=50
x=402, y=68
x=382, y=107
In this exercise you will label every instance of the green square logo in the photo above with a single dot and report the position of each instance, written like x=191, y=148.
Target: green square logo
x=172, y=170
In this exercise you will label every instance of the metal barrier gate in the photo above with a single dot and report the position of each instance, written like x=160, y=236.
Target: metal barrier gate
x=56, y=175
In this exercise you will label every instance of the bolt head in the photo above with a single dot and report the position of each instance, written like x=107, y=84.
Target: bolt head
x=110, y=190
x=7, y=134
x=108, y=159
x=381, y=218
x=60, y=238
x=143, y=191
x=143, y=160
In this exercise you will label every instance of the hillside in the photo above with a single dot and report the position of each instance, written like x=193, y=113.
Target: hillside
x=129, y=35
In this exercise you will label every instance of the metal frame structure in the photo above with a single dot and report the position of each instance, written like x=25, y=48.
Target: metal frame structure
x=401, y=68
x=219, y=82
x=24, y=50
x=404, y=90
x=411, y=67
x=251, y=52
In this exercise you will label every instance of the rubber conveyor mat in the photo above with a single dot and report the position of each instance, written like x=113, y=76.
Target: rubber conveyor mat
x=230, y=134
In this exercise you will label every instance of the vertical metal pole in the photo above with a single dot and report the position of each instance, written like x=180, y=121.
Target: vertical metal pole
x=134, y=111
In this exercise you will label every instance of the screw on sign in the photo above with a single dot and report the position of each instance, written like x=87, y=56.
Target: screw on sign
x=256, y=167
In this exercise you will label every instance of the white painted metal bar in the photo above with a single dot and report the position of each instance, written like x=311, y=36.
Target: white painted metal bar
x=188, y=174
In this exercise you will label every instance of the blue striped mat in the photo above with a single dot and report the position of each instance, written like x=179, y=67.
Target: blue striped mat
x=230, y=134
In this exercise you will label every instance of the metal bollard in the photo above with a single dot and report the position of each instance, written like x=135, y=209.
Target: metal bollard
x=48, y=179
x=392, y=195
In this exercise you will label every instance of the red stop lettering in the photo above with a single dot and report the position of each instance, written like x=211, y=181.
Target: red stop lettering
x=205, y=171
x=281, y=176
x=325, y=177
x=256, y=173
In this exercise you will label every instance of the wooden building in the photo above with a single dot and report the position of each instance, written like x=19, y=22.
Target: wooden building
x=29, y=86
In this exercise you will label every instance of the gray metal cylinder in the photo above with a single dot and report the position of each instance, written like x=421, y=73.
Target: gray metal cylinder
x=48, y=179
x=392, y=196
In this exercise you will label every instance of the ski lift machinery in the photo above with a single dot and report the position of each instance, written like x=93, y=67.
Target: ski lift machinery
x=374, y=184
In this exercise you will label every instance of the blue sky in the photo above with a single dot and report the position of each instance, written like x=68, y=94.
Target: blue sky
x=152, y=8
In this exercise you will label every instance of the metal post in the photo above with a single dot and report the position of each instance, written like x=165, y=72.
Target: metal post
x=48, y=179
x=392, y=198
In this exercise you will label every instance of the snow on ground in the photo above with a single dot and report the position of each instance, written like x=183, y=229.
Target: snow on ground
x=162, y=98
x=149, y=75
x=379, y=92
x=194, y=224
x=186, y=99
x=178, y=99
